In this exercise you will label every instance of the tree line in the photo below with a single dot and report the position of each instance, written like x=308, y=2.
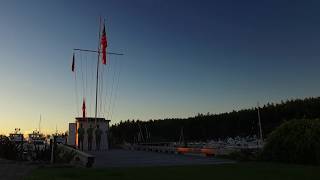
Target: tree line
x=214, y=126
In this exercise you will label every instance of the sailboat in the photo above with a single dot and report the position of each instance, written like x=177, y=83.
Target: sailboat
x=260, y=141
x=36, y=137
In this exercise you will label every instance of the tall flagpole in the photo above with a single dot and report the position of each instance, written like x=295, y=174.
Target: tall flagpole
x=98, y=61
x=97, y=80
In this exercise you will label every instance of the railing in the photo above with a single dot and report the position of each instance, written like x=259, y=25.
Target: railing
x=172, y=149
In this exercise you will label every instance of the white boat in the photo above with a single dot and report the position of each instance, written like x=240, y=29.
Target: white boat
x=36, y=138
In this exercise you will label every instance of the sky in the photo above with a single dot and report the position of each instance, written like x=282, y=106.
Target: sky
x=181, y=57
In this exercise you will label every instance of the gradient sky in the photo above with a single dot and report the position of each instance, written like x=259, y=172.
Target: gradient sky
x=181, y=57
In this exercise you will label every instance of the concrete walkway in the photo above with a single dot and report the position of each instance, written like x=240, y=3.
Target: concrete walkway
x=127, y=158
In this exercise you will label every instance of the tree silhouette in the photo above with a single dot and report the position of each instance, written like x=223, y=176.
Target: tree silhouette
x=214, y=126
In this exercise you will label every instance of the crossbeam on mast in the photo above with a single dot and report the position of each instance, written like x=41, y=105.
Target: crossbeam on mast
x=94, y=51
x=97, y=81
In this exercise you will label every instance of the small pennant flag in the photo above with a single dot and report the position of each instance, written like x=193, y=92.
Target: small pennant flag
x=72, y=66
x=84, y=109
x=104, y=44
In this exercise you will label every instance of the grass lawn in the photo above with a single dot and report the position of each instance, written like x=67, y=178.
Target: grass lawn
x=239, y=171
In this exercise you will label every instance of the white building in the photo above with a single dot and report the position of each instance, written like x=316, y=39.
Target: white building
x=86, y=122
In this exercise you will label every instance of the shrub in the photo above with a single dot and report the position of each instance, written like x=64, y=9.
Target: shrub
x=243, y=155
x=8, y=149
x=295, y=141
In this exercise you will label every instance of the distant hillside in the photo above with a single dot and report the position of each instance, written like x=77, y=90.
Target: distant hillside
x=213, y=126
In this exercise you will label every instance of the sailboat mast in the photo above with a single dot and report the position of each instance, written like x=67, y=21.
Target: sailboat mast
x=97, y=80
x=260, y=128
x=40, y=124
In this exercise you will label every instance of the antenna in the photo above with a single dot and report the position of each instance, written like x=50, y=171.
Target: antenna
x=181, y=138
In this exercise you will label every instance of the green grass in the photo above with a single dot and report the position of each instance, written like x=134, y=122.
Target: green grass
x=239, y=171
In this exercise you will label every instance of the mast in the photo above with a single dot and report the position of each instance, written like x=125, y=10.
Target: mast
x=141, y=134
x=40, y=124
x=147, y=134
x=98, y=61
x=181, y=138
x=259, y=122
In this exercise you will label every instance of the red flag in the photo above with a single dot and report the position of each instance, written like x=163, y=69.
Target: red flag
x=84, y=108
x=104, y=44
x=72, y=67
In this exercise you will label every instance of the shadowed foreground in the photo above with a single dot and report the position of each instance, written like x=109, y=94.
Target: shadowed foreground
x=245, y=171
x=11, y=170
x=126, y=158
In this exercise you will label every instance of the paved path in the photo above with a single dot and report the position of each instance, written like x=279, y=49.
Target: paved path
x=12, y=170
x=127, y=158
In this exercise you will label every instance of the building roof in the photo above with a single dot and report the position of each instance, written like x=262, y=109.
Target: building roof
x=92, y=119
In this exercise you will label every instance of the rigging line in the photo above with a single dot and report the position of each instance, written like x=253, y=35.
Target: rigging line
x=99, y=94
x=104, y=91
x=101, y=90
x=88, y=87
x=82, y=78
x=86, y=74
x=94, y=85
x=112, y=90
x=105, y=94
x=76, y=92
x=107, y=91
x=112, y=99
x=111, y=93
x=116, y=92
x=91, y=83
x=97, y=80
x=91, y=80
x=104, y=84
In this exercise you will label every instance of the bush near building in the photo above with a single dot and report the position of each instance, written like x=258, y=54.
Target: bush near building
x=8, y=149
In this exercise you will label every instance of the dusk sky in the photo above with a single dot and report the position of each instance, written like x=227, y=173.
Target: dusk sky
x=181, y=57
